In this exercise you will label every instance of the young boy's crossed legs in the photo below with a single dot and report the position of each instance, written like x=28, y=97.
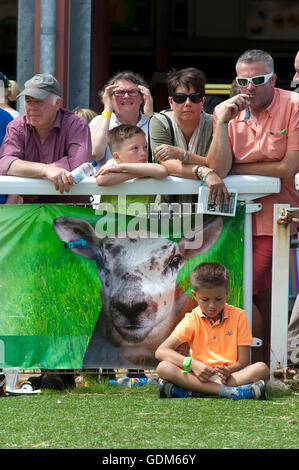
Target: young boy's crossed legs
x=248, y=376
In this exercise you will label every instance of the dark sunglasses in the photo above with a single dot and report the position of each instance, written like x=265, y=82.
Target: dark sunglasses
x=256, y=81
x=180, y=98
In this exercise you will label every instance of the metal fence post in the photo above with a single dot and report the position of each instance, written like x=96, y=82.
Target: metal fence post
x=280, y=288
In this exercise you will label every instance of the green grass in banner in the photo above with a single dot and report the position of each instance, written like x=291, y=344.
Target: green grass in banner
x=46, y=290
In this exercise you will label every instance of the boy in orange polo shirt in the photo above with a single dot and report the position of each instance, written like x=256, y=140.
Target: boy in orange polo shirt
x=219, y=338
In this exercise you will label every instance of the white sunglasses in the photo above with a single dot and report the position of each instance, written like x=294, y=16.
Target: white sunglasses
x=256, y=81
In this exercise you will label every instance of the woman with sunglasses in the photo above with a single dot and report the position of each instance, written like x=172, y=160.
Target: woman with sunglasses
x=127, y=100
x=180, y=137
x=257, y=132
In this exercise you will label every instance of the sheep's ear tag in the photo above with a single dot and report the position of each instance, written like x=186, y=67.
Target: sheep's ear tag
x=76, y=244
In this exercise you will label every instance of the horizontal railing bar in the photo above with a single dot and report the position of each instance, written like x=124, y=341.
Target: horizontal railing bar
x=248, y=186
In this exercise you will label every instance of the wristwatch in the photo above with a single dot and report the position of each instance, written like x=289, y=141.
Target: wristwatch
x=186, y=364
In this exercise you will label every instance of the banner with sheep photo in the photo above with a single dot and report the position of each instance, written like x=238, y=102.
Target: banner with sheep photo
x=83, y=288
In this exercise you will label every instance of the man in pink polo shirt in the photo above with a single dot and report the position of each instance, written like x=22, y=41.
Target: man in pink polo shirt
x=257, y=132
x=48, y=141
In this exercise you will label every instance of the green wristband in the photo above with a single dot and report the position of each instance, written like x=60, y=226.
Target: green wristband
x=186, y=364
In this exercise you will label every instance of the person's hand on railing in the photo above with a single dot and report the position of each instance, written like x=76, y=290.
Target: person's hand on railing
x=61, y=178
x=216, y=187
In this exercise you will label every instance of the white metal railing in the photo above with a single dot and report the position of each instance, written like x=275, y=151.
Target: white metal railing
x=249, y=187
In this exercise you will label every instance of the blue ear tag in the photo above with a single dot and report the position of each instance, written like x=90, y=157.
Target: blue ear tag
x=77, y=243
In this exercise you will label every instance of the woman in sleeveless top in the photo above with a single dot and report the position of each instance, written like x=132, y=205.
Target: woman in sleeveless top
x=180, y=137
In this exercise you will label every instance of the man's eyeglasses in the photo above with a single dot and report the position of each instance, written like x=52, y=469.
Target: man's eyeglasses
x=128, y=92
x=256, y=81
x=180, y=98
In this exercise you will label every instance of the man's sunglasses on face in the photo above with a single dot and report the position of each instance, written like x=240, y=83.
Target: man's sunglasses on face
x=256, y=81
x=122, y=93
x=180, y=98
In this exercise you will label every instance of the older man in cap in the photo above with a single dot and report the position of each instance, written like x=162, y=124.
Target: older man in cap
x=48, y=141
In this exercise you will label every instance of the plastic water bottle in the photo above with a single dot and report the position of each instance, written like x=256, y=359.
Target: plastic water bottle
x=84, y=170
x=128, y=382
x=152, y=380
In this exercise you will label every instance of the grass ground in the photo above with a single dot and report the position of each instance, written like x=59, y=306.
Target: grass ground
x=105, y=417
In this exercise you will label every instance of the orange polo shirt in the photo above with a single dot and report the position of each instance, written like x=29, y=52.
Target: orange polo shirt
x=264, y=142
x=215, y=343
